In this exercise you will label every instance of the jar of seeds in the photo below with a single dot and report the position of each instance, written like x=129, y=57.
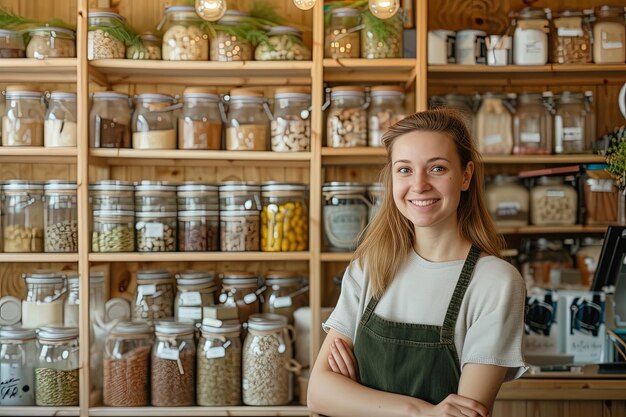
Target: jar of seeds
x=12, y=44
x=155, y=231
x=154, y=122
x=227, y=45
x=22, y=123
x=193, y=196
x=241, y=290
x=291, y=124
x=382, y=38
x=345, y=214
x=219, y=366
x=386, y=108
x=60, y=121
x=346, y=123
x=240, y=195
x=43, y=304
x=284, y=218
x=112, y=195
x=286, y=292
x=571, y=37
x=23, y=218
x=284, y=43
x=113, y=231
x=173, y=365
x=154, y=296
x=56, y=375
x=184, y=38
x=60, y=217
x=198, y=231
x=248, y=123
x=343, y=34
x=51, y=42
x=109, y=120
x=100, y=43
x=150, y=50
x=196, y=289
x=200, y=123
x=18, y=360
x=151, y=196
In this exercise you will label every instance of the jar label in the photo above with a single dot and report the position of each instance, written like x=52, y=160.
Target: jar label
x=16, y=384
x=572, y=133
x=168, y=353
x=555, y=193
x=342, y=224
x=282, y=302
x=507, y=209
x=533, y=137
x=570, y=33
x=215, y=352
x=154, y=230
x=190, y=298
x=493, y=139
x=148, y=289
x=193, y=313
x=612, y=40
x=601, y=186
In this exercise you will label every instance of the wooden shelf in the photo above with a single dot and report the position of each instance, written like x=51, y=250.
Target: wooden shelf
x=353, y=156
x=199, y=257
x=38, y=155
x=38, y=257
x=545, y=159
x=31, y=70
x=336, y=256
x=368, y=70
x=38, y=411
x=540, y=230
x=294, y=410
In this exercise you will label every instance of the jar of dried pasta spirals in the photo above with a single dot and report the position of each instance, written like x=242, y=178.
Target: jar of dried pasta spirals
x=56, y=375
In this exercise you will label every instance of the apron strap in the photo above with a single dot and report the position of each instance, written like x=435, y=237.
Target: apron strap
x=368, y=310
x=449, y=323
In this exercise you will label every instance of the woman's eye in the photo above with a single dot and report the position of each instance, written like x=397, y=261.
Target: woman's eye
x=403, y=170
x=438, y=169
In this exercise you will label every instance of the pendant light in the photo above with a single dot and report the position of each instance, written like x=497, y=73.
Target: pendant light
x=211, y=10
x=384, y=9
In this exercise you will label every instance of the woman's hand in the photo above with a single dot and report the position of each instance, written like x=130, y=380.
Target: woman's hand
x=342, y=360
x=455, y=405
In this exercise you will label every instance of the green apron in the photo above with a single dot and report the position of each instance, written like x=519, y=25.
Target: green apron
x=413, y=359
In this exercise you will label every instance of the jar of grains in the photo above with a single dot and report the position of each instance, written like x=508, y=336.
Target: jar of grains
x=12, y=44
x=286, y=292
x=284, y=43
x=219, y=366
x=571, y=129
x=376, y=194
x=109, y=120
x=193, y=196
x=22, y=217
x=344, y=214
x=127, y=365
x=154, y=122
x=112, y=195
x=248, y=123
x=241, y=290
x=101, y=44
x=284, y=218
x=494, y=133
x=72, y=300
x=532, y=125
x=386, y=108
x=342, y=35
x=43, y=304
x=113, y=231
x=60, y=216
x=196, y=289
x=530, y=39
x=228, y=45
x=240, y=195
x=18, y=359
x=155, y=196
x=382, y=38
x=198, y=231
x=60, y=121
x=51, y=42
x=154, y=296
x=609, y=33
x=571, y=37
x=173, y=365
x=150, y=50
x=22, y=123
x=507, y=201
x=291, y=124
x=184, y=38
x=553, y=203
x=200, y=123
x=346, y=123
x=156, y=231
x=56, y=375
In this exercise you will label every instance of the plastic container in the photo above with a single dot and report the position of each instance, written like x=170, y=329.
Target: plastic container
x=196, y=289
x=184, y=39
x=284, y=43
x=56, y=376
x=532, y=125
x=11, y=44
x=441, y=47
x=22, y=123
x=382, y=41
x=200, y=123
x=113, y=231
x=343, y=34
x=291, y=124
x=248, y=125
x=156, y=231
x=553, y=203
x=240, y=195
x=23, y=218
x=571, y=37
x=226, y=46
x=494, y=132
x=60, y=216
x=347, y=118
x=508, y=201
x=112, y=195
x=530, y=38
x=470, y=47
x=284, y=218
x=43, y=304
x=154, y=122
x=154, y=296
x=193, y=196
x=386, y=108
x=155, y=196
x=51, y=42
x=286, y=292
x=345, y=214
x=609, y=33
x=109, y=120
x=241, y=290
x=572, y=124
x=151, y=49
x=60, y=121
x=198, y=231
x=17, y=366
x=100, y=44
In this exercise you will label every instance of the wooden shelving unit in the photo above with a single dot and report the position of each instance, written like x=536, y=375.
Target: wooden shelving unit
x=200, y=257
x=290, y=411
x=30, y=70
x=39, y=411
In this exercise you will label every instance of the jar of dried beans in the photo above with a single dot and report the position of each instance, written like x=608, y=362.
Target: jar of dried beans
x=200, y=123
x=382, y=38
x=386, y=108
x=23, y=218
x=248, y=123
x=101, y=44
x=113, y=231
x=343, y=34
x=553, y=202
x=184, y=38
x=284, y=43
x=291, y=124
x=347, y=118
x=51, y=42
x=198, y=231
x=60, y=217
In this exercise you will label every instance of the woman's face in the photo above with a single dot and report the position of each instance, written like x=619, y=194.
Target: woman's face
x=428, y=179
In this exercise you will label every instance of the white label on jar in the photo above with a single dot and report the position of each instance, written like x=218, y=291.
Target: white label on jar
x=569, y=32
x=611, y=41
x=149, y=289
x=168, y=353
x=282, y=302
x=508, y=208
x=342, y=224
x=601, y=186
x=534, y=47
x=190, y=298
x=193, y=313
x=530, y=136
x=555, y=193
x=16, y=384
x=572, y=133
x=493, y=139
x=249, y=298
x=215, y=352
x=154, y=230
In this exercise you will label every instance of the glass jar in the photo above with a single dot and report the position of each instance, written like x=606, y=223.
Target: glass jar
x=547, y=259
x=154, y=296
x=152, y=196
x=507, y=201
x=241, y=290
x=156, y=231
x=385, y=109
x=470, y=47
x=343, y=34
x=571, y=130
x=56, y=375
x=112, y=195
x=248, y=124
x=571, y=37
x=609, y=35
x=18, y=359
x=346, y=123
x=240, y=195
x=22, y=123
x=113, y=231
x=494, y=133
x=284, y=43
x=196, y=289
x=284, y=218
x=601, y=194
x=286, y=292
x=60, y=217
x=530, y=39
x=198, y=231
x=127, y=365
x=11, y=44
x=200, y=123
x=150, y=50
x=291, y=124
x=154, y=122
x=43, y=304
x=60, y=121
x=219, y=366
x=100, y=43
x=587, y=258
x=532, y=125
x=51, y=42
x=227, y=45
x=23, y=221
x=71, y=307
x=109, y=120
x=344, y=214
x=184, y=38
x=553, y=203
x=376, y=193
x=382, y=40
x=239, y=230
x=193, y=196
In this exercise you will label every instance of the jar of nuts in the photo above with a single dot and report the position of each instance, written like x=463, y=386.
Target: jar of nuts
x=150, y=50
x=376, y=194
x=101, y=44
x=109, y=120
x=184, y=38
x=248, y=121
x=286, y=292
x=291, y=124
x=198, y=231
x=155, y=231
x=386, y=108
x=571, y=37
x=196, y=289
x=113, y=231
x=346, y=123
x=193, y=196
x=51, y=42
x=343, y=34
x=553, y=203
x=241, y=290
x=154, y=296
x=60, y=122
x=60, y=217
x=240, y=195
x=11, y=44
x=154, y=122
x=22, y=123
x=23, y=216
x=112, y=195
x=200, y=122
x=284, y=218
x=284, y=43
x=344, y=214
x=382, y=39
x=239, y=230
x=227, y=45
x=152, y=196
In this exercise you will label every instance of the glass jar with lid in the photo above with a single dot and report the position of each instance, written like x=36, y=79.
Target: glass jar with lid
x=151, y=196
x=571, y=129
x=609, y=33
x=347, y=118
x=284, y=218
x=154, y=296
x=385, y=109
x=113, y=231
x=18, y=359
x=547, y=259
x=587, y=258
x=228, y=45
x=109, y=120
x=200, y=123
x=240, y=195
x=173, y=365
x=553, y=202
x=196, y=289
x=101, y=44
x=184, y=38
x=241, y=290
x=60, y=217
x=194, y=196
x=12, y=44
x=112, y=195
x=154, y=122
x=149, y=50
x=601, y=193
x=344, y=214
x=286, y=292
x=22, y=123
x=532, y=125
x=51, y=42
x=343, y=38
x=198, y=231
x=376, y=192
x=291, y=124
x=248, y=123
x=72, y=300
x=284, y=43
x=219, y=366
x=382, y=38
x=127, y=365
x=43, y=304
x=60, y=121
x=494, y=133
x=156, y=231
x=507, y=201
x=23, y=218
x=530, y=39
x=239, y=230
x=56, y=375
x=571, y=37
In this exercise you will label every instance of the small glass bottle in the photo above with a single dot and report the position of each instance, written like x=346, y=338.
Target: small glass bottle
x=154, y=296
x=286, y=292
x=22, y=123
x=344, y=214
x=507, y=201
x=609, y=35
x=386, y=108
x=284, y=43
x=60, y=216
x=100, y=43
x=18, y=359
x=23, y=216
x=51, y=42
x=571, y=37
x=227, y=46
x=248, y=123
x=200, y=123
x=60, y=121
x=347, y=118
x=291, y=124
x=150, y=50
x=196, y=289
x=43, y=304
x=553, y=203
x=343, y=34
x=154, y=122
x=12, y=44
x=241, y=290
x=56, y=376
x=284, y=218
x=109, y=120
x=532, y=125
x=184, y=38
x=530, y=39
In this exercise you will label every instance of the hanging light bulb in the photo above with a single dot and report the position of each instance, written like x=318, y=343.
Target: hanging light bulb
x=384, y=9
x=211, y=10
x=304, y=4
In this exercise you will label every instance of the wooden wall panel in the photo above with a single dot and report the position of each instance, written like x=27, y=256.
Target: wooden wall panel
x=11, y=282
x=43, y=9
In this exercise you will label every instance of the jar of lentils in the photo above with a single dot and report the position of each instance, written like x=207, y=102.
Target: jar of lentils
x=200, y=123
x=241, y=290
x=571, y=37
x=60, y=217
x=386, y=108
x=343, y=34
x=248, y=123
x=51, y=42
x=154, y=296
x=18, y=360
x=22, y=123
x=156, y=231
x=346, y=123
x=23, y=218
x=345, y=214
x=184, y=38
x=56, y=375
x=113, y=231
x=109, y=120
x=291, y=124
x=227, y=46
x=196, y=289
x=284, y=43
x=284, y=218
x=100, y=43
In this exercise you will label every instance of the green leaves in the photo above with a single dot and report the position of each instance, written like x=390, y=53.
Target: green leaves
x=121, y=31
x=616, y=159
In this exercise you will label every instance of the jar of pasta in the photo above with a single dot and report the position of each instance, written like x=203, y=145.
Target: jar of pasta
x=248, y=123
x=17, y=366
x=347, y=118
x=109, y=120
x=291, y=124
x=154, y=296
x=386, y=108
x=286, y=292
x=532, y=125
x=382, y=38
x=149, y=50
x=284, y=218
x=60, y=216
x=200, y=123
x=12, y=44
x=609, y=33
x=571, y=37
x=241, y=290
x=22, y=123
x=154, y=122
x=184, y=38
x=56, y=375
x=101, y=43
x=494, y=133
x=345, y=214
x=196, y=289
x=228, y=43
x=51, y=42
x=60, y=121
x=23, y=219
x=343, y=34
x=113, y=231
x=553, y=203
x=507, y=201
x=284, y=43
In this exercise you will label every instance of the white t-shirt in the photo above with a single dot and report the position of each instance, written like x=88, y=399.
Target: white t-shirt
x=490, y=325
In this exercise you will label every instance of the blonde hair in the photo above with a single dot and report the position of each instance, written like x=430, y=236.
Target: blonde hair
x=389, y=238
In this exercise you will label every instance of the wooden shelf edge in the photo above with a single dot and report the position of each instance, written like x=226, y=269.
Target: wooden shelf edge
x=188, y=154
x=200, y=257
x=589, y=69
x=336, y=256
x=293, y=410
x=544, y=159
x=38, y=257
x=133, y=64
x=62, y=70
x=528, y=230
x=38, y=411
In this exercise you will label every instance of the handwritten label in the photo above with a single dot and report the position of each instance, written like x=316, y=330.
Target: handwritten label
x=154, y=230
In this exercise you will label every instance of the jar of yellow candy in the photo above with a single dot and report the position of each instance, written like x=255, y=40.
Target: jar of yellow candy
x=284, y=218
